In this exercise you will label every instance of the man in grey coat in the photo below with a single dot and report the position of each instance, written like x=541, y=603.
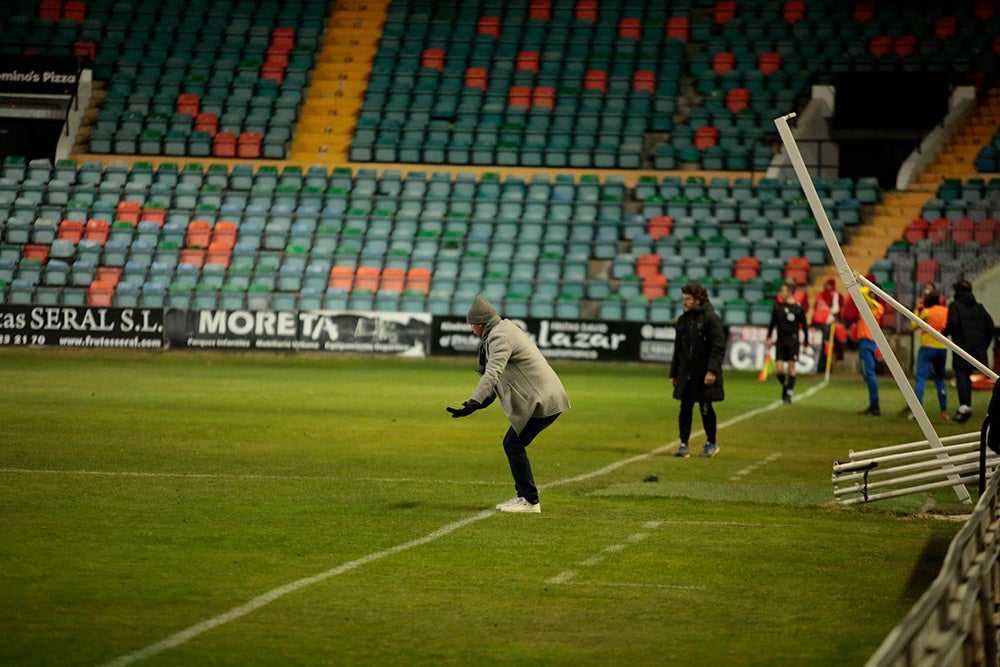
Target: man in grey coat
x=530, y=393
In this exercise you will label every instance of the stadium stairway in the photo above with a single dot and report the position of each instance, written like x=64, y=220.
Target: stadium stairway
x=869, y=243
x=957, y=159
x=338, y=86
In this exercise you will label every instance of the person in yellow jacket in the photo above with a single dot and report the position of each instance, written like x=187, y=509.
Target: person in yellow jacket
x=866, y=353
x=933, y=354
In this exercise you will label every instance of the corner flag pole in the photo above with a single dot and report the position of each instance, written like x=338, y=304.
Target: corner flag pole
x=854, y=290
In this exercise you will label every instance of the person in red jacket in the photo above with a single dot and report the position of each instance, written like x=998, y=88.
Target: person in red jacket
x=824, y=317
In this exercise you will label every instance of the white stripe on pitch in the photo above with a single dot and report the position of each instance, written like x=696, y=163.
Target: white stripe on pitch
x=670, y=446
x=265, y=599
x=197, y=475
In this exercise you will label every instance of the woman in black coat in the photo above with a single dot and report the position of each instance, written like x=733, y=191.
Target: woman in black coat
x=696, y=369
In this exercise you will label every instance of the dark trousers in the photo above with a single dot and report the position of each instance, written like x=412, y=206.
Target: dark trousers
x=963, y=382
x=514, y=445
x=708, y=419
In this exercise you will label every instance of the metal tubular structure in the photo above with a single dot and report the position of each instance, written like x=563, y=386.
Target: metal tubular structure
x=850, y=280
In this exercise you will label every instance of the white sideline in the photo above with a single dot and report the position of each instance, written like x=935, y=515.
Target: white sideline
x=266, y=598
x=211, y=475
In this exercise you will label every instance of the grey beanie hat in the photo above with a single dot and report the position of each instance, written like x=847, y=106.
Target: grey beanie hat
x=481, y=311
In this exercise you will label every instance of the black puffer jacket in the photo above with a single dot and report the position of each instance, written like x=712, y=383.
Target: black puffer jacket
x=700, y=347
x=970, y=327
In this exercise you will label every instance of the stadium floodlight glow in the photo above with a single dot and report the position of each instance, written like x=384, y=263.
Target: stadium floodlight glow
x=852, y=281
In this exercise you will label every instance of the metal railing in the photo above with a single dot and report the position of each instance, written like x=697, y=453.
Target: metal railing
x=956, y=621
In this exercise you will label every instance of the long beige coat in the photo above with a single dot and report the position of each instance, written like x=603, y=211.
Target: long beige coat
x=519, y=376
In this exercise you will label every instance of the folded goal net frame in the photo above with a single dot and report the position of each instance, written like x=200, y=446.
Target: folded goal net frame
x=853, y=281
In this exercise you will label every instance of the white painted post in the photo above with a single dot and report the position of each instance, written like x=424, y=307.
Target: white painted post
x=849, y=279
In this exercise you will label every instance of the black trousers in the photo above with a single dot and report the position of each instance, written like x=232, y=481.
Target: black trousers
x=708, y=419
x=514, y=445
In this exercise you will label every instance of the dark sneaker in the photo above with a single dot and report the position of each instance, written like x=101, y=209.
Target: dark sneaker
x=710, y=450
x=871, y=412
x=962, y=417
x=683, y=451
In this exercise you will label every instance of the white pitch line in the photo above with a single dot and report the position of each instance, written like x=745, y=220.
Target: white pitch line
x=197, y=475
x=624, y=584
x=740, y=474
x=671, y=445
x=265, y=599
x=562, y=577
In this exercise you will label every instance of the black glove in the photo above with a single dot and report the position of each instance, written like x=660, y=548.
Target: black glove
x=467, y=409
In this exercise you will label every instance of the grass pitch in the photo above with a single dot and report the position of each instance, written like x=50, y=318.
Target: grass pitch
x=175, y=508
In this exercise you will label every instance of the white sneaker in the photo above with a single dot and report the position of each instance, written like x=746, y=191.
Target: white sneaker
x=507, y=502
x=520, y=505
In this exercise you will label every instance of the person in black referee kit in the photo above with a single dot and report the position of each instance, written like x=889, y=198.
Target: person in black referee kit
x=787, y=320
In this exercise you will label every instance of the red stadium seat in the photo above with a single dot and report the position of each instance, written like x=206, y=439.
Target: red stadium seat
x=963, y=231
x=916, y=230
x=193, y=256
x=793, y=11
x=100, y=294
x=678, y=27
x=648, y=265
x=630, y=28
x=37, y=251
x=737, y=100
x=488, y=25
x=418, y=278
x=654, y=286
x=586, y=10
x=644, y=80
x=939, y=230
x=153, y=214
x=769, y=63
x=519, y=96
x=96, y=230
x=206, y=122
x=987, y=230
x=128, y=211
x=544, y=97
x=71, y=230
x=476, y=77
x=660, y=226
x=746, y=268
x=366, y=277
x=223, y=234
x=248, y=145
x=188, y=103
x=864, y=11
x=927, y=271
x=880, y=45
x=527, y=61
x=342, y=277
x=224, y=144
x=111, y=275
x=218, y=253
x=433, y=59
x=540, y=10
x=705, y=137
x=199, y=234
x=724, y=11
x=723, y=61
x=596, y=79
x=797, y=270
